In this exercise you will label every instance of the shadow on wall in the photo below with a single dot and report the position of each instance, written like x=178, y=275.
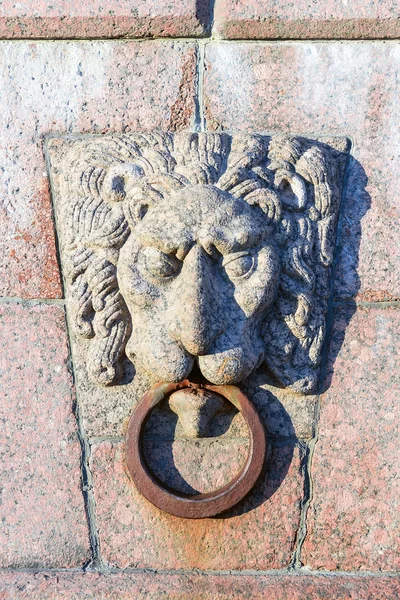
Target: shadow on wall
x=355, y=204
x=204, y=13
x=183, y=463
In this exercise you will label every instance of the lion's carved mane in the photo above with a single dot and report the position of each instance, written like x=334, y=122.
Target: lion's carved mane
x=112, y=181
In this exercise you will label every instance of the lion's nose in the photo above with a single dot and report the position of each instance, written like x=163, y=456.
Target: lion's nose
x=195, y=322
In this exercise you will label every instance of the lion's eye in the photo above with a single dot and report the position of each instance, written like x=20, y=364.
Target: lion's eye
x=159, y=264
x=238, y=265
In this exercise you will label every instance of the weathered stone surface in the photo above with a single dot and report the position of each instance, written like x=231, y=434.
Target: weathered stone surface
x=199, y=586
x=349, y=89
x=198, y=248
x=326, y=19
x=43, y=521
x=353, y=521
x=83, y=87
x=259, y=533
x=120, y=18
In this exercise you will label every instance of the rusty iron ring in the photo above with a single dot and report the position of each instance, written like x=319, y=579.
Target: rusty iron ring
x=201, y=505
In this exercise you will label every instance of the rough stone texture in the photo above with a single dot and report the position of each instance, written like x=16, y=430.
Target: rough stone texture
x=198, y=586
x=43, y=521
x=259, y=533
x=347, y=88
x=353, y=521
x=244, y=19
x=119, y=18
x=83, y=87
x=198, y=248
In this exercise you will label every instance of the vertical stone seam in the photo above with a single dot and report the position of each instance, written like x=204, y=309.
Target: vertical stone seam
x=305, y=501
x=86, y=475
x=308, y=480
x=200, y=120
x=87, y=491
x=308, y=492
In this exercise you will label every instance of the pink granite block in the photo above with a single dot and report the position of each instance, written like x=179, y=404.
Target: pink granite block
x=260, y=533
x=327, y=19
x=73, y=87
x=95, y=19
x=349, y=89
x=354, y=518
x=196, y=586
x=42, y=513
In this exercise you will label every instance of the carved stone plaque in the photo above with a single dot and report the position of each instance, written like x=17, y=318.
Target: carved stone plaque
x=204, y=249
x=196, y=258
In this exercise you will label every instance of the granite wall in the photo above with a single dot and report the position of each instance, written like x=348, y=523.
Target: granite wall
x=324, y=520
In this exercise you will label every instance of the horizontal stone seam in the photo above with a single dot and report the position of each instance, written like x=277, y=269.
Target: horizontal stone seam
x=31, y=301
x=195, y=128
x=154, y=438
x=141, y=40
x=266, y=132
x=227, y=440
x=278, y=440
x=98, y=439
x=62, y=302
x=215, y=38
x=292, y=572
x=373, y=304
x=208, y=39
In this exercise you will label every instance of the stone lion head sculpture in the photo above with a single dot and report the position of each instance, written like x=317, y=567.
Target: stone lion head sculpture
x=199, y=249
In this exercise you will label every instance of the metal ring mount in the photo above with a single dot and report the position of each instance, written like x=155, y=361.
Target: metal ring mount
x=201, y=505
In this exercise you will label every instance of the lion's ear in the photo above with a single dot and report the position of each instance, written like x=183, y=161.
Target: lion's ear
x=291, y=188
x=120, y=180
x=307, y=178
x=126, y=183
